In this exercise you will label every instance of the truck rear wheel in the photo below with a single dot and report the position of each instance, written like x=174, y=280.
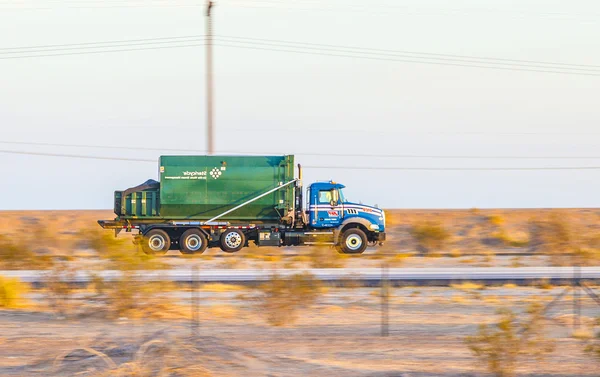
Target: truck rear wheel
x=156, y=241
x=193, y=241
x=353, y=241
x=232, y=240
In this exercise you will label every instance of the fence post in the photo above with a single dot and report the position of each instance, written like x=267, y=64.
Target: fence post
x=195, y=301
x=576, y=301
x=385, y=296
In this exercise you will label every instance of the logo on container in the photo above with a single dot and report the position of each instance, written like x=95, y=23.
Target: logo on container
x=216, y=173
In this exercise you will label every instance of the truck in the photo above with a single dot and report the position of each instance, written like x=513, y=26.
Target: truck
x=201, y=202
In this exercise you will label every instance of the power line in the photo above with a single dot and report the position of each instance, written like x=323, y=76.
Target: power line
x=405, y=51
x=101, y=52
x=320, y=154
x=330, y=167
x=77, y=156
x=306, y=46
x=455, y=169
x=155, y=40
x=541, y=70
x=312, y=49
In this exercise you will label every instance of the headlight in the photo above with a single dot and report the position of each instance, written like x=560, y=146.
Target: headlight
x=374, y=226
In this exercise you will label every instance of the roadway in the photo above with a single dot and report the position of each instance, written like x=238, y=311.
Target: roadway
x=366, y=276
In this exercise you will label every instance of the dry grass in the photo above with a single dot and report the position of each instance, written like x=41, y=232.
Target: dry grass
x=224, y=311
x=455, y=253
x=462, y=300
x=219, y=287
x=505, y=345
x=583, y=334
x=12, y=293
x=74, y=235
x=430, y=236
x=282, y=298
x=468, y=286
x=326, y=257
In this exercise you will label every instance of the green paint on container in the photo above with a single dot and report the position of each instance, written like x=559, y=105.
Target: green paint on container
x=201, y=187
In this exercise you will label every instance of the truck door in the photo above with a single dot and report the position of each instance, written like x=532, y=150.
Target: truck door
x=327, y=208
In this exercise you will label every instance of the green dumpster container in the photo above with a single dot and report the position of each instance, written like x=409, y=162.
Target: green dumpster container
x=201, y=187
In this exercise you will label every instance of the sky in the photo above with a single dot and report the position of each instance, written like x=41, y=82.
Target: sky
x=333, y=112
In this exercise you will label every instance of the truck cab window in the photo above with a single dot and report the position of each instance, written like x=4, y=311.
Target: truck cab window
x=342, y=197
x=325, y=197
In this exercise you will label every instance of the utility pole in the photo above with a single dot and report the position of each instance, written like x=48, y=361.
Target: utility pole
x=209, y=80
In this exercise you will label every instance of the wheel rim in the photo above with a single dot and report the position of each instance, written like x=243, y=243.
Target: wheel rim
x=156, y=243
x=233, y=240
x=193, y=242
x=354, y=242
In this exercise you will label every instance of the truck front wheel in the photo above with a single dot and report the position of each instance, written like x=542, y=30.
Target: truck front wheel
x=353, y=241
x=193, y=241
x=156, y=241
x=232, y=240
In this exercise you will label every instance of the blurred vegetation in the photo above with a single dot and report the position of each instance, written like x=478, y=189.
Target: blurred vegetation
x=12, y=292
x=126, y=295
x=564, y=241
x=60, y=289
x=282, y=297
x=20, y=256
x=122, y=254
x=496, y=220
x=593, y=346
x=507, y=240
x=430, y=236
x=326, y=257
x=502, y=346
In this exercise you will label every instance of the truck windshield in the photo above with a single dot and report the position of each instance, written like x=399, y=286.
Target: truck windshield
x=342, y=197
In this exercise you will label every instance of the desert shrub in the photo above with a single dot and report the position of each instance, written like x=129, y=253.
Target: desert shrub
x=130, y=297
x=59, y=287
x=467, y=286
x=566, y=243
x=281, y=298
x=495, y=220
x=120, y=252
x=502, y=346
x=12, y=292
x=592, y=347
x=229, y=262
x=18, y=255
x=430, y=236
x=455, y=253
x=508, y=240
x=397, y=260
x=326, y=257
x=552, y=235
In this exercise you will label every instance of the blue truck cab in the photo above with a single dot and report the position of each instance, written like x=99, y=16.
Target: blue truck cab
x=354, y=225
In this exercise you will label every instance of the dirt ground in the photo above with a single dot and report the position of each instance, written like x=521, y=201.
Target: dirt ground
x=340, y=335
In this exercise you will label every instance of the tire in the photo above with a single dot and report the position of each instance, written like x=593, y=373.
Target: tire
x=193, y=241
x=232, y=240
x=156, y=242
x=353, y=241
